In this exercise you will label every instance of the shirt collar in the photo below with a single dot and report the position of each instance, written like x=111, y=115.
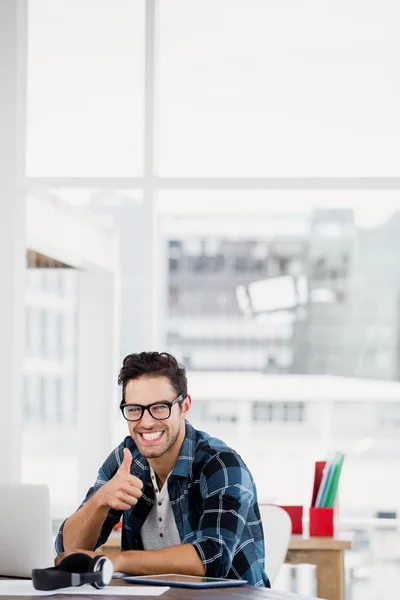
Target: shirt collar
x=183, y=465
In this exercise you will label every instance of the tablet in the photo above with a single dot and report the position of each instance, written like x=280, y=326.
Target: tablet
x=186, y=581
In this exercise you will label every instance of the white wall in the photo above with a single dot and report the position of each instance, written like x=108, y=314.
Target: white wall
x=12, y=242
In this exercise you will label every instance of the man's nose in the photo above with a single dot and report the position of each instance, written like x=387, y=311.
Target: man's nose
x=147, y=420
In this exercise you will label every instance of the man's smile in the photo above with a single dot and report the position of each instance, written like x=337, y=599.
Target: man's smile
x=150, y=437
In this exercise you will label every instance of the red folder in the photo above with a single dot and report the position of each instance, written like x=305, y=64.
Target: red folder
x=296, y=516
x=319, y=469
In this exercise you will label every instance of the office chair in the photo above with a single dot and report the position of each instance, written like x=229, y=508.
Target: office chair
x=277, y=528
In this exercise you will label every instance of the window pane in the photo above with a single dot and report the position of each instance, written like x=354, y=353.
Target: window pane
x=49, y=403
x=85, y=88
x=280, y=88
x=342, y=345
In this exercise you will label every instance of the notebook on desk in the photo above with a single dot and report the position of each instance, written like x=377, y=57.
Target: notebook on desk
x=26, y=540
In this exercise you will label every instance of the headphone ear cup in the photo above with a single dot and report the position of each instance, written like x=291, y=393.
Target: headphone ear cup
x=76, y=563
x=104, y=565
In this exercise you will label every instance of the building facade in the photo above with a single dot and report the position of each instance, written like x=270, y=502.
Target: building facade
x=348, y=324
x=212, y=323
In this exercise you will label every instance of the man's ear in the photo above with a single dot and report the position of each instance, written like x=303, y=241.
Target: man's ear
x=186, y=403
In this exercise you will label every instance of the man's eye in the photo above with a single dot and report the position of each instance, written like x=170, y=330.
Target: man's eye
x=160, y=409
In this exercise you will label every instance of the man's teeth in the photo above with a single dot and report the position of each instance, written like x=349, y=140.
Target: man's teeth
x=152, y=436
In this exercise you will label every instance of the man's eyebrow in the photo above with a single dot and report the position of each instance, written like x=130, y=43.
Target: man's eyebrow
x=155, y=402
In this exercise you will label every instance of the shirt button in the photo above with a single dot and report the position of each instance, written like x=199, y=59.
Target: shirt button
x=156, y=490
x=159, y=518
x=161, y=534
x=159, y=503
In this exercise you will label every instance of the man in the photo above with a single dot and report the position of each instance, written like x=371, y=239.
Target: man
x=188, y=501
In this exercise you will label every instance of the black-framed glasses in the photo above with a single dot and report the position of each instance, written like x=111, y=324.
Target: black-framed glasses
x=158, y=410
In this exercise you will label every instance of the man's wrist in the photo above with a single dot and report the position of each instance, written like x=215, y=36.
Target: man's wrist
x=99, y=501
x=117, y=560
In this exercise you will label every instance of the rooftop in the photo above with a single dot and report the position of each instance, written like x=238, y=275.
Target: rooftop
x=292, y=388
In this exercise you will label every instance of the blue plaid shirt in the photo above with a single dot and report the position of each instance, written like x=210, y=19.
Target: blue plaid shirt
x=214, y=501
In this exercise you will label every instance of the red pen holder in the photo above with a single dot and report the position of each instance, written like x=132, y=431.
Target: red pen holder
x=296, y=516
x=321, y=522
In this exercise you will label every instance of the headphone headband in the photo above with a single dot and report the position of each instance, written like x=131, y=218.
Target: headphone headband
x=74, y=570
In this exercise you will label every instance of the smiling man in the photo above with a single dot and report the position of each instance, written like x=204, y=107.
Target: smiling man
x=188, y=501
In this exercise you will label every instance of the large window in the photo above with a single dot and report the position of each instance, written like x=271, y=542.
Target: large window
x=250, y=222
x=85, y=93
x=281, y=89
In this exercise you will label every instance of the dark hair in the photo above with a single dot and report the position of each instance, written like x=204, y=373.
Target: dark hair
x=153, y=364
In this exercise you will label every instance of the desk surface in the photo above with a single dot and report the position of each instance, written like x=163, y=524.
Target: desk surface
x=339, y=542
x=245, y=592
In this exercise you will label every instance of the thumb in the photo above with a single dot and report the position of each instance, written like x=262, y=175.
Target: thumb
x=127, y=461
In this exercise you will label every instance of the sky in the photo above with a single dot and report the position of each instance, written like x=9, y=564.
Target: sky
x=310, y=91
x=280, y=89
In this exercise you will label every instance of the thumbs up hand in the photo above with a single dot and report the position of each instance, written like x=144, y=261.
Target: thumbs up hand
x=127, y=461
x=124, y=489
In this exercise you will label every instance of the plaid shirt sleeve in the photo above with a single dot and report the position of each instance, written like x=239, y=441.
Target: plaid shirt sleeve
x=105, y=473
x=226, y=489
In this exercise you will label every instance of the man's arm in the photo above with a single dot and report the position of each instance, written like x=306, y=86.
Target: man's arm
x=227, y=495
x=82, y=529
x=175, y=559
x=227, y=491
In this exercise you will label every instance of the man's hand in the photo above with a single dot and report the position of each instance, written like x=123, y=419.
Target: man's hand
x=124, y=489
x=83, y=528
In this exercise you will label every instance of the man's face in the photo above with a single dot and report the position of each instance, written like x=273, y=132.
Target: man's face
x=154, y=438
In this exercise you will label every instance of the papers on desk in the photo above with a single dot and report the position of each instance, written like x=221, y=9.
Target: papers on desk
x=276, y=595
x=24, y=587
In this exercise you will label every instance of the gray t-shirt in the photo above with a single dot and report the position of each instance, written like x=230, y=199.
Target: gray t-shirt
x=159, y=529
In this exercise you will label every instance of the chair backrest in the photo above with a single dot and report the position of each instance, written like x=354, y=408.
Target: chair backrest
x=277, y=528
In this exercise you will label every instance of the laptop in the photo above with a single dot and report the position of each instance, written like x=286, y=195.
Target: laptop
x=26, y=540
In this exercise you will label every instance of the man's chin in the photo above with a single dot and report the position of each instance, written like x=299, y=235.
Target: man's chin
x=152, y=452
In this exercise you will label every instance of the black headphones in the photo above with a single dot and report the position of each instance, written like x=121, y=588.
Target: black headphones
x=75, y=569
